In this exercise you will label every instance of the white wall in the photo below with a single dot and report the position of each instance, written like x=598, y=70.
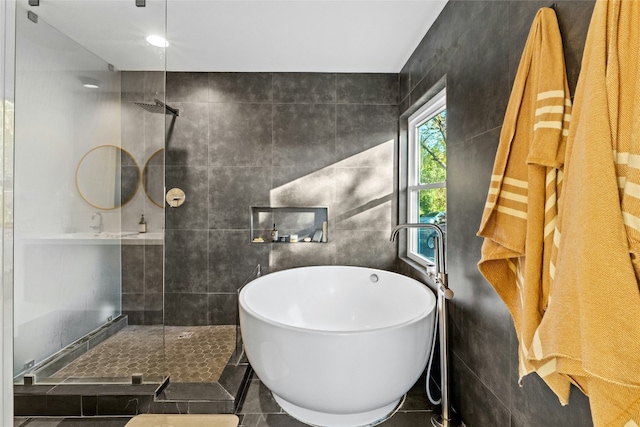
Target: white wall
x=61, y=291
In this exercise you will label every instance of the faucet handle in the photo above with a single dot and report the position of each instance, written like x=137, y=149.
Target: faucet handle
x=432, y=271
x=447, y=292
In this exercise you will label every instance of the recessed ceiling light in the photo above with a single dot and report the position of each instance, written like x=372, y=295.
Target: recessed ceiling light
x=89, y=82
x=157, y=41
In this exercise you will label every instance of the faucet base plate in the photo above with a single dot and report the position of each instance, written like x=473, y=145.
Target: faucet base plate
x=438, y=421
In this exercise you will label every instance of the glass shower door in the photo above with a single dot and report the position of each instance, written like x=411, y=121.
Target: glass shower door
x=88, y=165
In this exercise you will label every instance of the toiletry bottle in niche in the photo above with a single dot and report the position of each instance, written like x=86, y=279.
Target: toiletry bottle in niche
x=142, y=225
x=274, y=234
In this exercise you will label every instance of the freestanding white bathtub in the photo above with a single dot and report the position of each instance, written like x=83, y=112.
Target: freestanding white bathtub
x=337, y=346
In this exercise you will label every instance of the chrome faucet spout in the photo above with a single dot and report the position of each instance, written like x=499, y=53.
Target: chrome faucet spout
x=96, y=222
x=439, y=243
x=397, y=228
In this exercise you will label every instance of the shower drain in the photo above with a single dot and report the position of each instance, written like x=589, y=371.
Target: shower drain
x=184, y=335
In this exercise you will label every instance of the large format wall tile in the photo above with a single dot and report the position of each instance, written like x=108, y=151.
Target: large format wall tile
x=366, y=135
x=285, y=256
x=232, y=192
x=304, y=135
x=367, y=89
x=479, y=85
x=153, y=269
x=222, y=309
x=186, y=261
x=364, y=248
x=534, y=394
x=132, y=268
x=153, y=309
x=240, y=135
x=133, y=308
x=310, y=88
x=188, y=135
x=187, y=87
x=297, y=186
x=193, y=181
x=233, y=259
x=442, y=38
x=363, y=199
x=477, y=404
x=186, y=309
x=240, y=87
x=484, y=323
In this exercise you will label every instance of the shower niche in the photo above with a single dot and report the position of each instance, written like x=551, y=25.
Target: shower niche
x=289, y=224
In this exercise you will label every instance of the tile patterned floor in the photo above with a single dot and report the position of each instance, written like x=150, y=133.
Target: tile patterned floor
x=193, y=354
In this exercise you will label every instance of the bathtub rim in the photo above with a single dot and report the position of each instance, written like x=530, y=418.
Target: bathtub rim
x=430, y=308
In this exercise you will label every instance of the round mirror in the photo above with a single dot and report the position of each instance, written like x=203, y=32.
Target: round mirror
x=153, y=178
x=107, y=177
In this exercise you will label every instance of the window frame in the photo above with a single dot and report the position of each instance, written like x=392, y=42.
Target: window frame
x=425, y=113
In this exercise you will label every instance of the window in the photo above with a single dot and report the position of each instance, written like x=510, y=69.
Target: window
x=427, y=176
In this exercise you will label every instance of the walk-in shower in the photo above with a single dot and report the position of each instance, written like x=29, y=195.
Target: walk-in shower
x=89, y=290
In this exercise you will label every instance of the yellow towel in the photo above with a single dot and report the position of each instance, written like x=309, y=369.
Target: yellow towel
x=590, y=332
x=520, y=214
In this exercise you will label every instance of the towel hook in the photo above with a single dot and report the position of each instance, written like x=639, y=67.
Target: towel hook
x=554, y=6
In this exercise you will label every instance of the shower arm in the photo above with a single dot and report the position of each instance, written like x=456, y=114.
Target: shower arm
x=173, y=111
x=444, y=293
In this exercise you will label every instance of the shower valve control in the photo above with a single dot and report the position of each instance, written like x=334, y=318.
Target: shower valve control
x=175, y=197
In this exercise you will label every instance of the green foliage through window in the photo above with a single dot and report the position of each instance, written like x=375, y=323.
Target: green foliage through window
x=433, y=162
x=427, y=177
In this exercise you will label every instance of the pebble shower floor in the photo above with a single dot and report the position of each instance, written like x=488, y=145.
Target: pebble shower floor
x=193, y=354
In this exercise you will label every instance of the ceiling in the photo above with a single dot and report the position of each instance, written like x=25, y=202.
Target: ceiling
x=247, y=36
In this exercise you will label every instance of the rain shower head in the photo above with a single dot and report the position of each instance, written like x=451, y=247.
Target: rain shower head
x=158, y=107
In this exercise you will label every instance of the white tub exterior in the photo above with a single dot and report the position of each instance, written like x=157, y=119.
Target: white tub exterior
x=336, y=346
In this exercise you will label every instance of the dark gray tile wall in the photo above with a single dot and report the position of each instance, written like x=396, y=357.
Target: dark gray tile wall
x=476, y=46
x=273, y=139
x=255, y=139
x=143, y=134
x=142, y=284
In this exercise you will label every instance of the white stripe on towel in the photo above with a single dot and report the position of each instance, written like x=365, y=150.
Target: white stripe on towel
x=551, y=94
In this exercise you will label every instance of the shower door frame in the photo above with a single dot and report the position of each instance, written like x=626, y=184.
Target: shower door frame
x=7, y=78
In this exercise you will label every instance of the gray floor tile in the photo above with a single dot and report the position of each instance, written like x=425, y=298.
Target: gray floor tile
x=41, y=423
x=72, y=422
x=409, y=419
x=271, y=420
x=259, y=400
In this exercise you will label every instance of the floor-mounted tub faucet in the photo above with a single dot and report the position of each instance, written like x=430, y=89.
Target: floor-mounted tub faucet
x=444, y=293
